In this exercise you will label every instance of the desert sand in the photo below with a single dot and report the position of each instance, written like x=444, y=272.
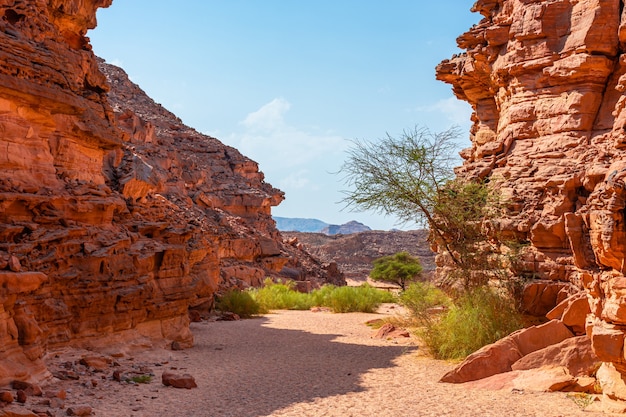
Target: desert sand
x=304, y=363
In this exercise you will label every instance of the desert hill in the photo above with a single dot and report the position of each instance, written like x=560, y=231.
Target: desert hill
x=354, y=253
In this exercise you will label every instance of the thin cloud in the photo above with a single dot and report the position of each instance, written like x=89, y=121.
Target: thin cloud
x=454, y=110
x=269, y=139
x=269, y=117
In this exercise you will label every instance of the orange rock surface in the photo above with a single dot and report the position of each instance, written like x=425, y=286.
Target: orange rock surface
x=115, y=218
x=546, y=81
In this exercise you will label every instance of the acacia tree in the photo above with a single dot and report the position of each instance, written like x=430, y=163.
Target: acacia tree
x=399, y=268
x=412, y=177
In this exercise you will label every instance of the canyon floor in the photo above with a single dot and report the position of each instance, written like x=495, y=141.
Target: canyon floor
x=297, y=363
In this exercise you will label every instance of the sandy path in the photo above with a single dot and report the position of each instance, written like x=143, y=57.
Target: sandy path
x=294, y=363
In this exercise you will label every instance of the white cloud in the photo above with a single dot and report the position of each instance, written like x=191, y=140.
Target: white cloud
x=455, y=111
x=269, y=116
x=274, y=143
x=295, y=181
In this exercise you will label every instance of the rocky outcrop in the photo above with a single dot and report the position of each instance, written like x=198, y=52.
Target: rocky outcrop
x=546, y=81
x=115, y=218
x=354, y=253
x=345, y=229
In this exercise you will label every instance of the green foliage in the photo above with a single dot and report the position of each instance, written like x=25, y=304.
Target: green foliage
x=281, y=296
x=365, y=299
x=239, y=302
x=412, y=177
x=140, y=379
x=581, y=399
x=419, y=297
x=398, y=269
x=479, y=317
x=400, y=176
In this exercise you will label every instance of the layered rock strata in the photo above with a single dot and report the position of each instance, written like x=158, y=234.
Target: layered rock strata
x=546, y=80
x=115, y=218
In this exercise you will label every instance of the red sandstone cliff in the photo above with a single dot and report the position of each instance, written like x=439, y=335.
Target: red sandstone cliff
x=546, y=80
x=115, y=218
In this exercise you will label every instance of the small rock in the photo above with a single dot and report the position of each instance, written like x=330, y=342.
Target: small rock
x=228, y=316
x=389, y=331
x=97, y=363
x=171, y=379
x=56, y=394
x=64, y=374
x=21, y=396
x=16, y=411
x=194, y=316
x=79, y=410
x=27, y=387
x=176, y=345
x=57, y=403
x=6, y=397
x=14, y=264
x=117, y=376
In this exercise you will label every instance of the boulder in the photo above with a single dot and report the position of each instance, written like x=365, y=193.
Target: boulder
x=574, y=354
x=389, y=331
x=171, y=379
x=499, y=357
x=544, y=379
x=572, y=312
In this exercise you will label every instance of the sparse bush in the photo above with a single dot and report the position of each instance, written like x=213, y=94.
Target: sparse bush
x=239, y=302
x=479, y=317
x=419, y=297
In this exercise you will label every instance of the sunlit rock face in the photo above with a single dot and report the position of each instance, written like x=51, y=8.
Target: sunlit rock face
x=115, y=218
x=546, y=80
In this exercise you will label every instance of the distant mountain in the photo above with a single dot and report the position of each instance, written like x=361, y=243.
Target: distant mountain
x=345, y=229
x=289, y=224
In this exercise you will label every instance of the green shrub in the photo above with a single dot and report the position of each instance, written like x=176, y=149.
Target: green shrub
x=281, y=296
x=239, y=302
x=477, y=318
x=419, y=297
x=365, y=299
x=140, y=379
x=399, y=269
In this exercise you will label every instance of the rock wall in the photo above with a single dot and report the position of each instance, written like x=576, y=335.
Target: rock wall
x=546, y=80
x=115, y=218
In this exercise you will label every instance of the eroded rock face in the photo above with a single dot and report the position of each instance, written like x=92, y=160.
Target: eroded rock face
x=546, y=80
x=115, y=218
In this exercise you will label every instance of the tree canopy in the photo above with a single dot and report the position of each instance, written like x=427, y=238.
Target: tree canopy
x=412, y=176
x=400, y=269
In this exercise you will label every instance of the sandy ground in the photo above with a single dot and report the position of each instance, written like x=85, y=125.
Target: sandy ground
x=303, y=363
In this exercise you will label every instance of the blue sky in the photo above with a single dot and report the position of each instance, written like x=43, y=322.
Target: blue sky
x=290, y=82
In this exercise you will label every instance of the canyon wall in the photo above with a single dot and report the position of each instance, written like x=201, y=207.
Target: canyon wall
x=115, y=218
x=546, y=80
